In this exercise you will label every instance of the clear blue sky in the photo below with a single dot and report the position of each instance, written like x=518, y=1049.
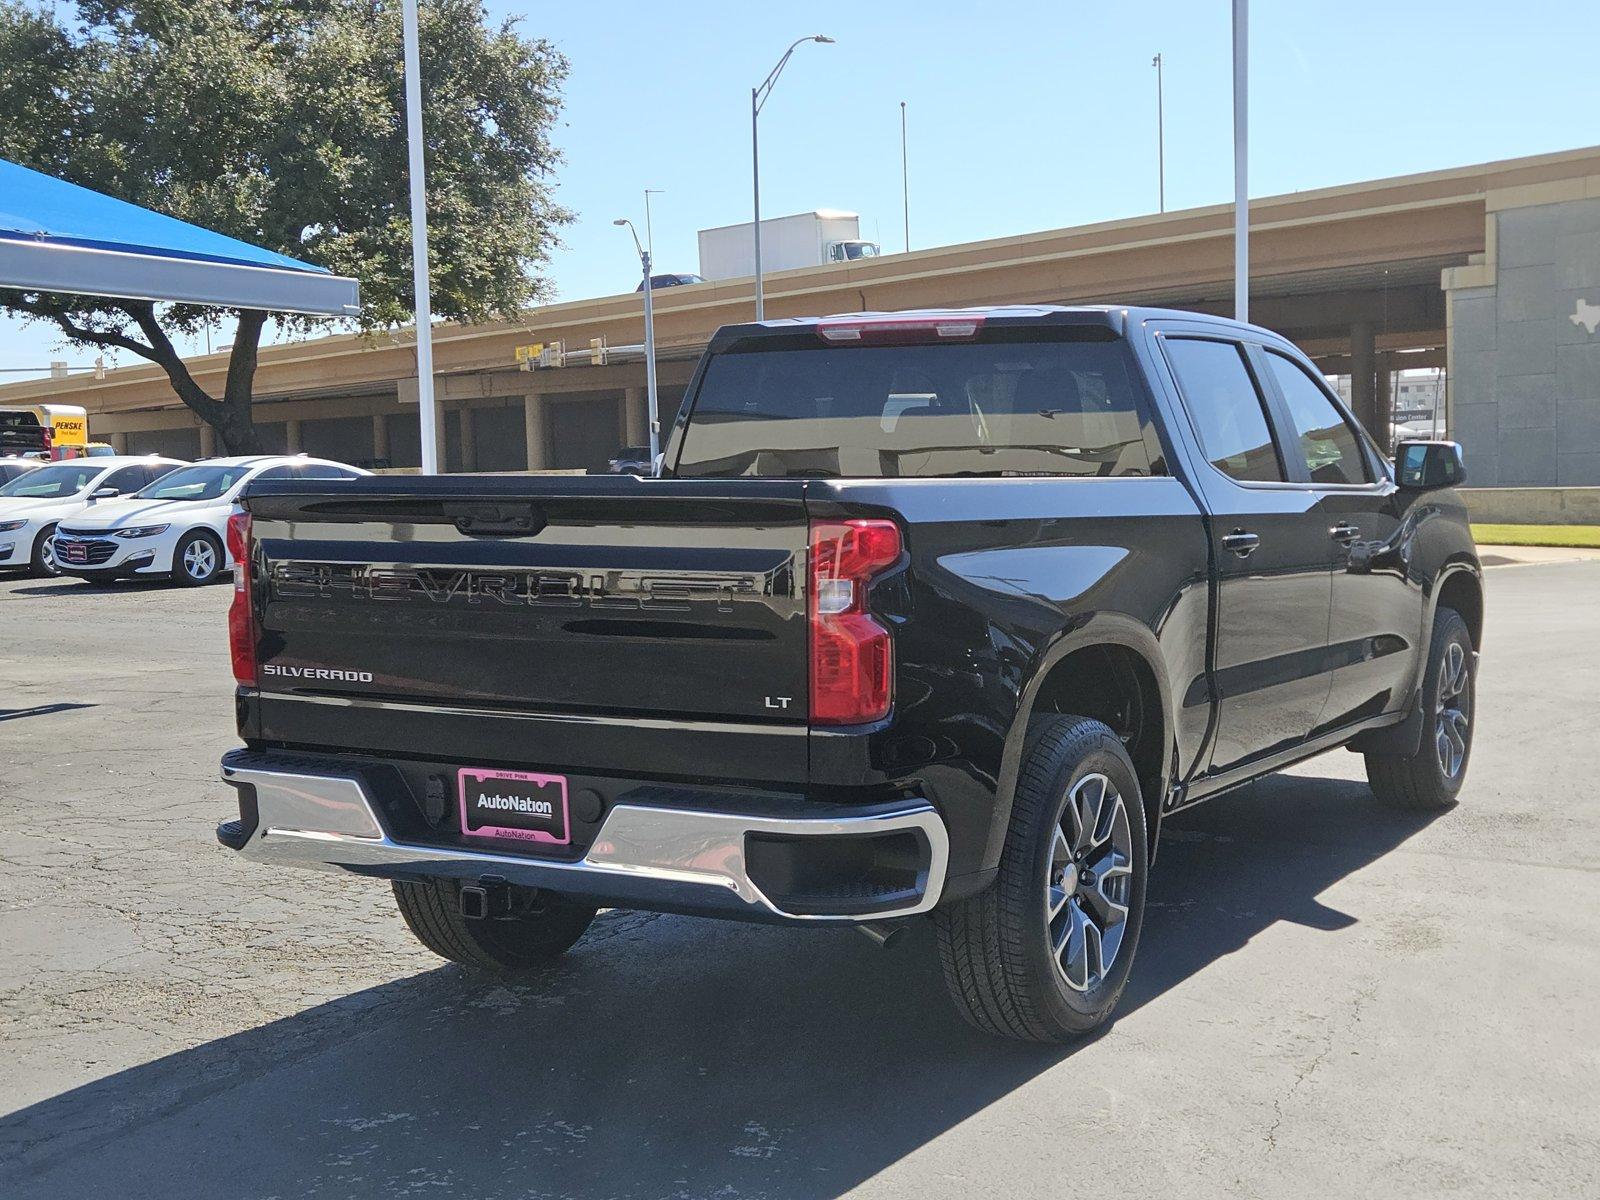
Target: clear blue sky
x=1023, y=116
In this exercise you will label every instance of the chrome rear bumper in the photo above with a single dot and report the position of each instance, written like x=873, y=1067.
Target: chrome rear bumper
x=644, y=856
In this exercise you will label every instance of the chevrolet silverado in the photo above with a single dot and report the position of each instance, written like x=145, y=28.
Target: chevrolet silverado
x=928, y=614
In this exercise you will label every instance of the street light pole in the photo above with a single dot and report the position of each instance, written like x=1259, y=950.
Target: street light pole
x=649, y=229
x=1241, y=157
x=649, y=343
x=905, y=177
x=1161, y=136
x=758, y=98
x=419, y=242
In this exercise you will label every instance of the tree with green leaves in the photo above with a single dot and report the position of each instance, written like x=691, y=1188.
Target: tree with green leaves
x=282, y=123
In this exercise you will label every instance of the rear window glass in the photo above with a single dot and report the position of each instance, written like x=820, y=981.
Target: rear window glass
x=1000, y=408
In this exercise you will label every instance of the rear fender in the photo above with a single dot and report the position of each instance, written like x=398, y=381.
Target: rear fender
x=1086, y=631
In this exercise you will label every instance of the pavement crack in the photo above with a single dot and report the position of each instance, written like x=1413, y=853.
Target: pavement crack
x=1303, y=1073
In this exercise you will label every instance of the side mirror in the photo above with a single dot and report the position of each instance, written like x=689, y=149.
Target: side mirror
x=1424, y=465
x=104, y=493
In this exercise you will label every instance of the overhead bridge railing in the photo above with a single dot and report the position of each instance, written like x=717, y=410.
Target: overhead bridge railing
x=537, y=356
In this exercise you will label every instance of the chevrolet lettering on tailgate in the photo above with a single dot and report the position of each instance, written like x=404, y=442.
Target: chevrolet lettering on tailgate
x=559, y=589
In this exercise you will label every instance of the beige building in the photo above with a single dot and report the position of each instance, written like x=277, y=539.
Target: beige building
x=1482, y=269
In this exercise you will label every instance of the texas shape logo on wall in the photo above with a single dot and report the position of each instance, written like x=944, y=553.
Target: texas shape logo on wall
x=1587, y=315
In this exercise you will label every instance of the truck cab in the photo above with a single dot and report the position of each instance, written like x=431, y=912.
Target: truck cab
x=850, y=251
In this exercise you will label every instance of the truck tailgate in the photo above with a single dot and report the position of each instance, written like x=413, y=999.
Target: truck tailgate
x=606, y=595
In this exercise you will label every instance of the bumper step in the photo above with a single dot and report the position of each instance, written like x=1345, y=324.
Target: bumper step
x=670, y=855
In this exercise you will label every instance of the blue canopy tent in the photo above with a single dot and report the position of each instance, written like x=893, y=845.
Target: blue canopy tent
x=58, y=237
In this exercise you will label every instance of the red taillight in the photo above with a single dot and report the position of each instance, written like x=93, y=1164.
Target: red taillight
x=900, y=330
x=241, y=616
x=852, y=656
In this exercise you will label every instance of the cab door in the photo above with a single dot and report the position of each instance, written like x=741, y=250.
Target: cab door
x=1375, y=629
x=1269, y=542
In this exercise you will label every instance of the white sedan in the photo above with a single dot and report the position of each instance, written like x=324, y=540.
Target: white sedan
x=34, y=503
x=177, y=527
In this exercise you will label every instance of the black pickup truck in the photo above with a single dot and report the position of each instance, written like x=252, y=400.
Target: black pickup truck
x=932, y=613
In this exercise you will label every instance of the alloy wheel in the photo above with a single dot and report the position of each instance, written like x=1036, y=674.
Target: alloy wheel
x=1453, y=714
x=199, y=559
x=1089, y=882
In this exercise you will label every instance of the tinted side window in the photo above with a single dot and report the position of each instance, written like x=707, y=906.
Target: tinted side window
x=159, y=469
x=284, y=472
x=322, y=471
x=1228, y=411
x=1331, y=448
x=126, y=480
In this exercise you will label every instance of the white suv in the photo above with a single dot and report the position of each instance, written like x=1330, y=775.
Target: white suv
x=34, y=503
x=177, y=527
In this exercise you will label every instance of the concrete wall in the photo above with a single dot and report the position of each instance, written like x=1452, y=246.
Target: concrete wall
x=343, y=439
x=181, y=443
x=500, y=438
x=1534, y=505
x=1525, y=351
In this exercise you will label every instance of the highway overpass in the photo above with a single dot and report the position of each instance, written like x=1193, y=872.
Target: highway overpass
x=1488, y=270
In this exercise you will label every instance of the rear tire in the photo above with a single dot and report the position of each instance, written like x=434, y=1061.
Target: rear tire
x=1430, y=779
x=1043, y=954
x=43, y=560
x=543, y=927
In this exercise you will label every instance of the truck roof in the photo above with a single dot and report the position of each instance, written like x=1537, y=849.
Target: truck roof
x=1110, y=316
x=822, y=214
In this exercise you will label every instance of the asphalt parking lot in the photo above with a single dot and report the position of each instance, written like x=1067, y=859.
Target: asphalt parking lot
x=1330, y=999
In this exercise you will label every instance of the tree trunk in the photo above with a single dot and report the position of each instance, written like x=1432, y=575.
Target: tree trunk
x=237, y=423
x=231, y=415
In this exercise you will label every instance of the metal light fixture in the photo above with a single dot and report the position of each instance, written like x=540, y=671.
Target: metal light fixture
x=758, y=97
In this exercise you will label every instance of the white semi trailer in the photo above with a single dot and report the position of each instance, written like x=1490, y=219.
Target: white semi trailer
x=804, y=240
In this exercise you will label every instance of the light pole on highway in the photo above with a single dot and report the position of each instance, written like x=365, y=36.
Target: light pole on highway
x=905, y=177
x=649, y=229
x=1161, y=137
x=1241, y=160
x=758, y=97
x=649, y=343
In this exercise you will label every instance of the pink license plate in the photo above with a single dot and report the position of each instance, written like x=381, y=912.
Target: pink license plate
x=514, y=804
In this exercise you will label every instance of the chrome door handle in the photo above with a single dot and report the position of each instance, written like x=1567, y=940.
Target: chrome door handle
x=1345, y=533
x=1241, y=542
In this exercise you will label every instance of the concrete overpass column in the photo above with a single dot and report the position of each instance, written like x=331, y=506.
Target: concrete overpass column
x=1384, y=401
x=407, y=393
x=119, y=442
x=208, y=441
x=291, y=436
x=534, y=429
x=380, y=436
x=1364, y=375
x=469, y=446
x=635, y=417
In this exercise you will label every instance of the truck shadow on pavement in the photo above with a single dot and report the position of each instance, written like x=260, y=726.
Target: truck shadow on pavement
x=667, y=1057
x=97, y=587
